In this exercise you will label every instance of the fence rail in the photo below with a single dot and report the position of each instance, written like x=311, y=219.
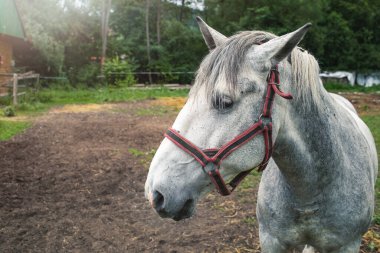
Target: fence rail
x=14, y=83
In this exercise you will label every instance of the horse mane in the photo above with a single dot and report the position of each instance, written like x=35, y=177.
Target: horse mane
x=219, y=69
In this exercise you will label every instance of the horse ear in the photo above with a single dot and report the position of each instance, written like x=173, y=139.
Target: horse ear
x=278, y=48
x=212, y=37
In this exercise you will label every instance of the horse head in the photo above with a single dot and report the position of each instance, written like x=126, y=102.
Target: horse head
x=229, y=123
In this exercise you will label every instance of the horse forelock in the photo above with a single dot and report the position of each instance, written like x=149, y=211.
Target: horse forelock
x=219, y=70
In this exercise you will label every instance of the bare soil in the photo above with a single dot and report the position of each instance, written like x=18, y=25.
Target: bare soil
x=74, y=182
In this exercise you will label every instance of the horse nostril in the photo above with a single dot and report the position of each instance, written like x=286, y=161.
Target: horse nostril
x=161, y=206
x=158, y=201
x=187, y=205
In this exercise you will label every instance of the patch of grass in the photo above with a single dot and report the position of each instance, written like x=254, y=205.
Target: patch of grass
x=136, y=152
x=372, y=239
x=101, y=95
x=250, y=181
x=10, y=128
x=9, y=111
x=145, y=156
x=44, y=99
x=250, y=220
x=31, y=108
x=336, y=87
x=376, y=219
x=156, y=111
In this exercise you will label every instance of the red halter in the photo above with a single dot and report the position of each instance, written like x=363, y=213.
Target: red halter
x=217, y=155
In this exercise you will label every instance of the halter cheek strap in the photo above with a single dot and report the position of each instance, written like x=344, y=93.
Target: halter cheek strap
x=215, y=156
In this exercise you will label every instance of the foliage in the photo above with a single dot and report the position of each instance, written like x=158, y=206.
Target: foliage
x=44, y=27
x=119, y=72
x=344, y=35
x=85, y=75
x=11, y=128
x=66, y=34
x=9, y=111
x=183, y=48
x=62, y=35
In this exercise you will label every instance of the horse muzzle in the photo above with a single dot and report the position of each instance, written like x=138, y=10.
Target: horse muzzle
x=174, y=207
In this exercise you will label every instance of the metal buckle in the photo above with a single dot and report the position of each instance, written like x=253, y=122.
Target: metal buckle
x=209, y=168
x=266, y=120
x=274, y=69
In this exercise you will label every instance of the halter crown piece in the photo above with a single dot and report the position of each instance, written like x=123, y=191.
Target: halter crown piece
x=215, y=156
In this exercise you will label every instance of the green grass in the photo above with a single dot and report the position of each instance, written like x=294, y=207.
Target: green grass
x=145, y=156
x=35, y=103
x=156, y=111
x=10, y=128
x=105, y=95
x=250, y=181
x=250, y=220
x=337, y=87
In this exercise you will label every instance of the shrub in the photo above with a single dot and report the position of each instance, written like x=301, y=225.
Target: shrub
x=34, y=96
x=9, y=111
x=119, y=72
x=87, y=75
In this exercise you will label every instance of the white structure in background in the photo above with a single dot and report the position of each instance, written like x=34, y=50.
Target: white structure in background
x=338, y=76
x=366, y=80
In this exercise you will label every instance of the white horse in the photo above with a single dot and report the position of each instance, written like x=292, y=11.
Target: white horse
x=318, y=185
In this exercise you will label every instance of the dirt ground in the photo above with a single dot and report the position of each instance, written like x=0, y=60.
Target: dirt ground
x=74, y=182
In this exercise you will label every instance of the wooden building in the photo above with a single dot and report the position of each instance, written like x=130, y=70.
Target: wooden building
x=12, y=34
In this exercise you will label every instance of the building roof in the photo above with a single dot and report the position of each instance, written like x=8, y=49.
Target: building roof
x=10, y=22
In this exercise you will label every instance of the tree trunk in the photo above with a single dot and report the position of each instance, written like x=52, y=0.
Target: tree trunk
x=181, y=10
x=104, y=31
x=147, y=38
x=158, y=22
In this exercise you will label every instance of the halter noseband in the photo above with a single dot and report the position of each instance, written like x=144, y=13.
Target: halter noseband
x=215, y=156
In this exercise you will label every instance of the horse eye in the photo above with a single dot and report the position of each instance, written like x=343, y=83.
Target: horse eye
x=222, y=102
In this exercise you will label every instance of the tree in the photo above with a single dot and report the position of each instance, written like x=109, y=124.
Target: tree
x=158, y=21
x=147, y=37
x=163, y=36
x=104, y=29
x=45, y=31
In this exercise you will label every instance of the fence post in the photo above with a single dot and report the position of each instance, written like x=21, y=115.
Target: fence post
x=38, y=81
x=15, y=80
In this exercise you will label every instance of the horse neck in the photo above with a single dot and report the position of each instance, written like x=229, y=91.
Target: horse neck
x=304, y=148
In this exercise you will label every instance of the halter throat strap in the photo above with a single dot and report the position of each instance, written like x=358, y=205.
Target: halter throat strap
x=210, y=159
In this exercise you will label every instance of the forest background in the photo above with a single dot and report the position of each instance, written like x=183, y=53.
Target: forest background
x=65, y=36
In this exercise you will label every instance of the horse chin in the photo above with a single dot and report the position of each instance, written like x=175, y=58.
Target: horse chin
x=178, y=218
x=185, y=215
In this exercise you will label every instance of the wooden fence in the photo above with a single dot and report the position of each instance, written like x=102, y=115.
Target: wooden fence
x=14, y=84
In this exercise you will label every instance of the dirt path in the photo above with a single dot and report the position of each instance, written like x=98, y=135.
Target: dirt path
x=74, y=182
x=71, y=184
